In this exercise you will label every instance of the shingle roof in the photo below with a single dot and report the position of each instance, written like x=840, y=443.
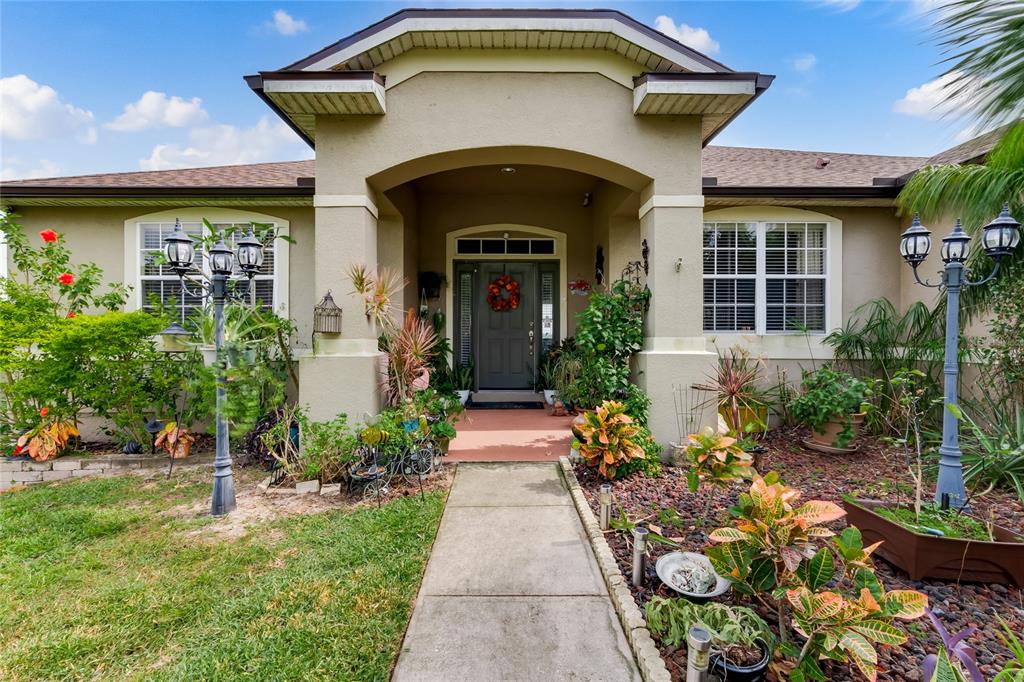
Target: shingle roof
x=757, y=167
x=971, y=150
x=731, y=166
x=269, y=175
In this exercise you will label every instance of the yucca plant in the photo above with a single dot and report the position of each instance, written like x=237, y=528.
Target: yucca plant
x=608, y=438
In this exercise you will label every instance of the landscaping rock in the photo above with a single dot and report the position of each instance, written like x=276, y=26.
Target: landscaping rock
x=330, y=489
x=876, y=471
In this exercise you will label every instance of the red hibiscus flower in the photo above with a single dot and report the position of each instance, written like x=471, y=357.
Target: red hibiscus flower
x=66, y=279
x=49, y=236
x=72, y=314
x=45, y=411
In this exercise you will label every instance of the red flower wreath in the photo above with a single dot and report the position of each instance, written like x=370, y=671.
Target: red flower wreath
x=496, y=296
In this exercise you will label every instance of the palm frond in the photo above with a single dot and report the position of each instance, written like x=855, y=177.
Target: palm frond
x=984, y=44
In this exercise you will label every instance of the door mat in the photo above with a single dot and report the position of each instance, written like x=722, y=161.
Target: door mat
x=516, y=405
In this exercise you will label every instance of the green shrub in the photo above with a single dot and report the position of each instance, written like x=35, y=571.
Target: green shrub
x=828, y=394
x=327, y=448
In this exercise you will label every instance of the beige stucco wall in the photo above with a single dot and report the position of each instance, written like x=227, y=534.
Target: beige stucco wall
x=97, y=234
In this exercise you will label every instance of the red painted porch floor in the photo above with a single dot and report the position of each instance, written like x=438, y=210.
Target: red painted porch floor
x=510, y=436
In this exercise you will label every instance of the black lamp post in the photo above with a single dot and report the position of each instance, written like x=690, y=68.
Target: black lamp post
x=179, y=250
x=999, y=239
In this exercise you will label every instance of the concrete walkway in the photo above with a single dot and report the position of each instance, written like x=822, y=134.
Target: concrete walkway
x=512, y=590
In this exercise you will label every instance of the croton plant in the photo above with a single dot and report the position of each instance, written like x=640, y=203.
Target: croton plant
x=780, y=548
x=48, y=439
x=608, y=438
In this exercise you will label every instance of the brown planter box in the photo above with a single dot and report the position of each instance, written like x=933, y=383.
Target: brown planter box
x=928, y=556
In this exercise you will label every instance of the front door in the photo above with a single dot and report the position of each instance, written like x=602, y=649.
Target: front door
x=506, y=339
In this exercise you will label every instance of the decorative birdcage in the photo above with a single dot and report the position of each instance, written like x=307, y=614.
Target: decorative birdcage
x=327, y=316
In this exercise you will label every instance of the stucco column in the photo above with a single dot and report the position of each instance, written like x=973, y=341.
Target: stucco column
x=675, y=352
x=342, y=374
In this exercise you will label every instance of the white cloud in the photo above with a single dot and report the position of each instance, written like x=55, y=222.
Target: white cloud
x=157, y=110
x=804, y=62
x=19, y=171
x=697, y=38
x=933, y=99
x=286, y=24
x=839, y=5
x=224, y=144
x=30, y=111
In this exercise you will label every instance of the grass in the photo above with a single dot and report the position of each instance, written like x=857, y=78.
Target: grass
x=949, y=522
x=96, y=583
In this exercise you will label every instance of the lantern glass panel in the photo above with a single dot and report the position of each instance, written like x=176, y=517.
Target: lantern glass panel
x=221, y=260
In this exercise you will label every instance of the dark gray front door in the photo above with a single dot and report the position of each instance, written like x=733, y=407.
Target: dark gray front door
x=506, y=340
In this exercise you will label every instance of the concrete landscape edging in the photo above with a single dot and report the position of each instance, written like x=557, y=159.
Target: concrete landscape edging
x=648, y=658
x=29, y=472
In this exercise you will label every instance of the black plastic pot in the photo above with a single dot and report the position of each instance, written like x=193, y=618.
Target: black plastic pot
x=729, y=672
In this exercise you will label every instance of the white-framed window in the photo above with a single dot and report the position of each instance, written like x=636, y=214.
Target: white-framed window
x=766, y=277
x=144, y=237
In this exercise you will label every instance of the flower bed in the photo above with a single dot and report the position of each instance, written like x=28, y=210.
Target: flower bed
x=871, y=473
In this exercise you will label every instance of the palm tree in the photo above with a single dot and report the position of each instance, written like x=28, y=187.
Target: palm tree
x=984, y=45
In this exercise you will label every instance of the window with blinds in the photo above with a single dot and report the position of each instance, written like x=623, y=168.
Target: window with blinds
x=764, y=277
x=159, y=283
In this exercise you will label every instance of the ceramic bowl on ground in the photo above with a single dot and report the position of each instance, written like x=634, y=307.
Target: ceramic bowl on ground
x=673, y=562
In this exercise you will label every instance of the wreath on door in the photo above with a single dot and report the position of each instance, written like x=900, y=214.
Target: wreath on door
x=496, y=291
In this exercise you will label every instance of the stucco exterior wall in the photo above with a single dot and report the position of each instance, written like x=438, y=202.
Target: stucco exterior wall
x=96, y=234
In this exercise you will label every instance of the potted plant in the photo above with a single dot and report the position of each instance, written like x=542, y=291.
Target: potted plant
x=442, y=433
x=546, y=379
x=176, y=440
x=608, y=438
x=741, y=642
x=832, y=403
x=462, y=376
x=740, y=401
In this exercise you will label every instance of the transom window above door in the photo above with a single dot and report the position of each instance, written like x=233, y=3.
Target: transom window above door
x=497, y=246
x=765, y=277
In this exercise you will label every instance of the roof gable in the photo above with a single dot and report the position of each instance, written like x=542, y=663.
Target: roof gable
x=520, y=29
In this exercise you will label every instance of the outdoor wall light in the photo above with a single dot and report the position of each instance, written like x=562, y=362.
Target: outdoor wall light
x=999, y=239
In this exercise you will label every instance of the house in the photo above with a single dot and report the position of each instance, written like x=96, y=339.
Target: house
x=547, y=145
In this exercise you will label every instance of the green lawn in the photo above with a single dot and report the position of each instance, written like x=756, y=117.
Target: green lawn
x=96, y=583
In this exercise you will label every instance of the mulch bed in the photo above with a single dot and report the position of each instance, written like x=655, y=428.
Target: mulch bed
x=876, y=471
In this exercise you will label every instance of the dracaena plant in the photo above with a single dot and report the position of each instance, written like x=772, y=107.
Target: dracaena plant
x=608, y=438
x=845, y=629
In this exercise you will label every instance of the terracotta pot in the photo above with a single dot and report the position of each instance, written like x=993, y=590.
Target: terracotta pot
x=830, y=432
x=930, y=556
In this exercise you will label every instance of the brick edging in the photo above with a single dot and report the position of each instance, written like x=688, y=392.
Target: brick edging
x=648, y=658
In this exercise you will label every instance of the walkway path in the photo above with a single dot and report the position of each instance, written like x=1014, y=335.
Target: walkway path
x=512, y=590
x=510, y=436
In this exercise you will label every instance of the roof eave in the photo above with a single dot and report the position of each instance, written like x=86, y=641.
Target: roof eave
x=255, y=83
x=802, y=192
x=762, y=82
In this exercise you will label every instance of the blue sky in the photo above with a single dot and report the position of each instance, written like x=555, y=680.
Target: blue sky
x=853, y=76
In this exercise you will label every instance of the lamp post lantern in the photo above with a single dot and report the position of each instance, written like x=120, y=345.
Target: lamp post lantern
x=999, y=239
x=179, y=251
